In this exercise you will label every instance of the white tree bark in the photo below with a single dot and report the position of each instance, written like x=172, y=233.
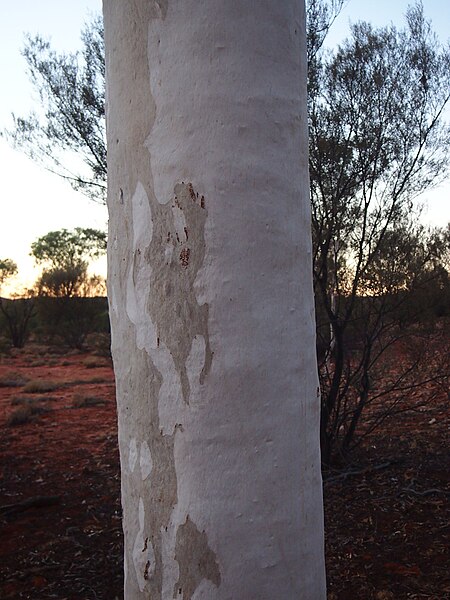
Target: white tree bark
x=211, y=300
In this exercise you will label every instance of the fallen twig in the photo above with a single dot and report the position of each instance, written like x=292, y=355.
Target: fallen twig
x=410, y=490
x=352, y=472
x=34, y=502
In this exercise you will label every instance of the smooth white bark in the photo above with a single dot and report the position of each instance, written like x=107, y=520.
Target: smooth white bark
x=211, y=299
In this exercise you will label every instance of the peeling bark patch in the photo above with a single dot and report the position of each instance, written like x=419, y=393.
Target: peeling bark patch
x=153, y=476
x=155, y=9
x=143, y=553
x=196, y=560
x=149, y=478
x=159, y=9
x=146, y=462
x=162, y=486
x=176, y=256
x=132, y=455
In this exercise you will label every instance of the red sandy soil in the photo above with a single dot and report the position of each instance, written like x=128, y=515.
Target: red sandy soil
x=73, y=548
x=386, y=515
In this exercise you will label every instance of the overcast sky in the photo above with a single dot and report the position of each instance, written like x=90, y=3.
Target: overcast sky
x=34, y=201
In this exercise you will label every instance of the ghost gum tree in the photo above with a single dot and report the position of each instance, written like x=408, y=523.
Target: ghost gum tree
x=211, y=303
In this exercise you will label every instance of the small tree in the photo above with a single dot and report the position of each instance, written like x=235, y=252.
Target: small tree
x=65, y=256
x=8, y=268
x=377, y=140
x=18, y=312
x=64, y=285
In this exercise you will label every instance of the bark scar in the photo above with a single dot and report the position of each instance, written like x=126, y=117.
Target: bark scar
x=196, y=560
x=176, y=261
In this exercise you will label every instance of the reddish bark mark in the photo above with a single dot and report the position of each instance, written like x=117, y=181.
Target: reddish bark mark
x=184, y=257
x=191, y=192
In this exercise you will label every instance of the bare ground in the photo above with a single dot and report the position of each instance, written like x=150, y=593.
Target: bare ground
x=387, y=513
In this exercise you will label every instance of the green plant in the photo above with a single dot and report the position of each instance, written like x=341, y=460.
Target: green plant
x=8, y=268
x=65, y=257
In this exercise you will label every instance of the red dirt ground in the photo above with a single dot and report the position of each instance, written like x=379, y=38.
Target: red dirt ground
x=72, y=549
x=386, y=516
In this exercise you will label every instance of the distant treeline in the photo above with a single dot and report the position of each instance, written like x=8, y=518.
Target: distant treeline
x=71, y=320
x=65, y=320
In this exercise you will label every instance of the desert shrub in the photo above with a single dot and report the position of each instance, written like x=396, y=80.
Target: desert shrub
x=87, y=381
x=25, y=400
x=16, y=319
x=25, y=414
x=40, y=386
x=100, y=343
x=5, y=346
x=94, y=362
x=20, y=416
x=39, y=362
x=21, y=400
x=13, y=379
x=85, y=401
x=72, y=320
x=99, y=380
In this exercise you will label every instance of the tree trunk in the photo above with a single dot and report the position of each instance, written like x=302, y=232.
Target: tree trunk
x=211, y=303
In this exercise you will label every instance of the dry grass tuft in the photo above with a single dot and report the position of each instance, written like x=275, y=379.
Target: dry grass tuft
x=40, y=386
x=94, y=362
x=24, y=400
x=13, y=379
x=91, y=380
x=25, y=414
x=39, y=362
x=84, y=401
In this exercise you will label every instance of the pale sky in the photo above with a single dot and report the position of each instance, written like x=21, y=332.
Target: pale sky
x=34, y=201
